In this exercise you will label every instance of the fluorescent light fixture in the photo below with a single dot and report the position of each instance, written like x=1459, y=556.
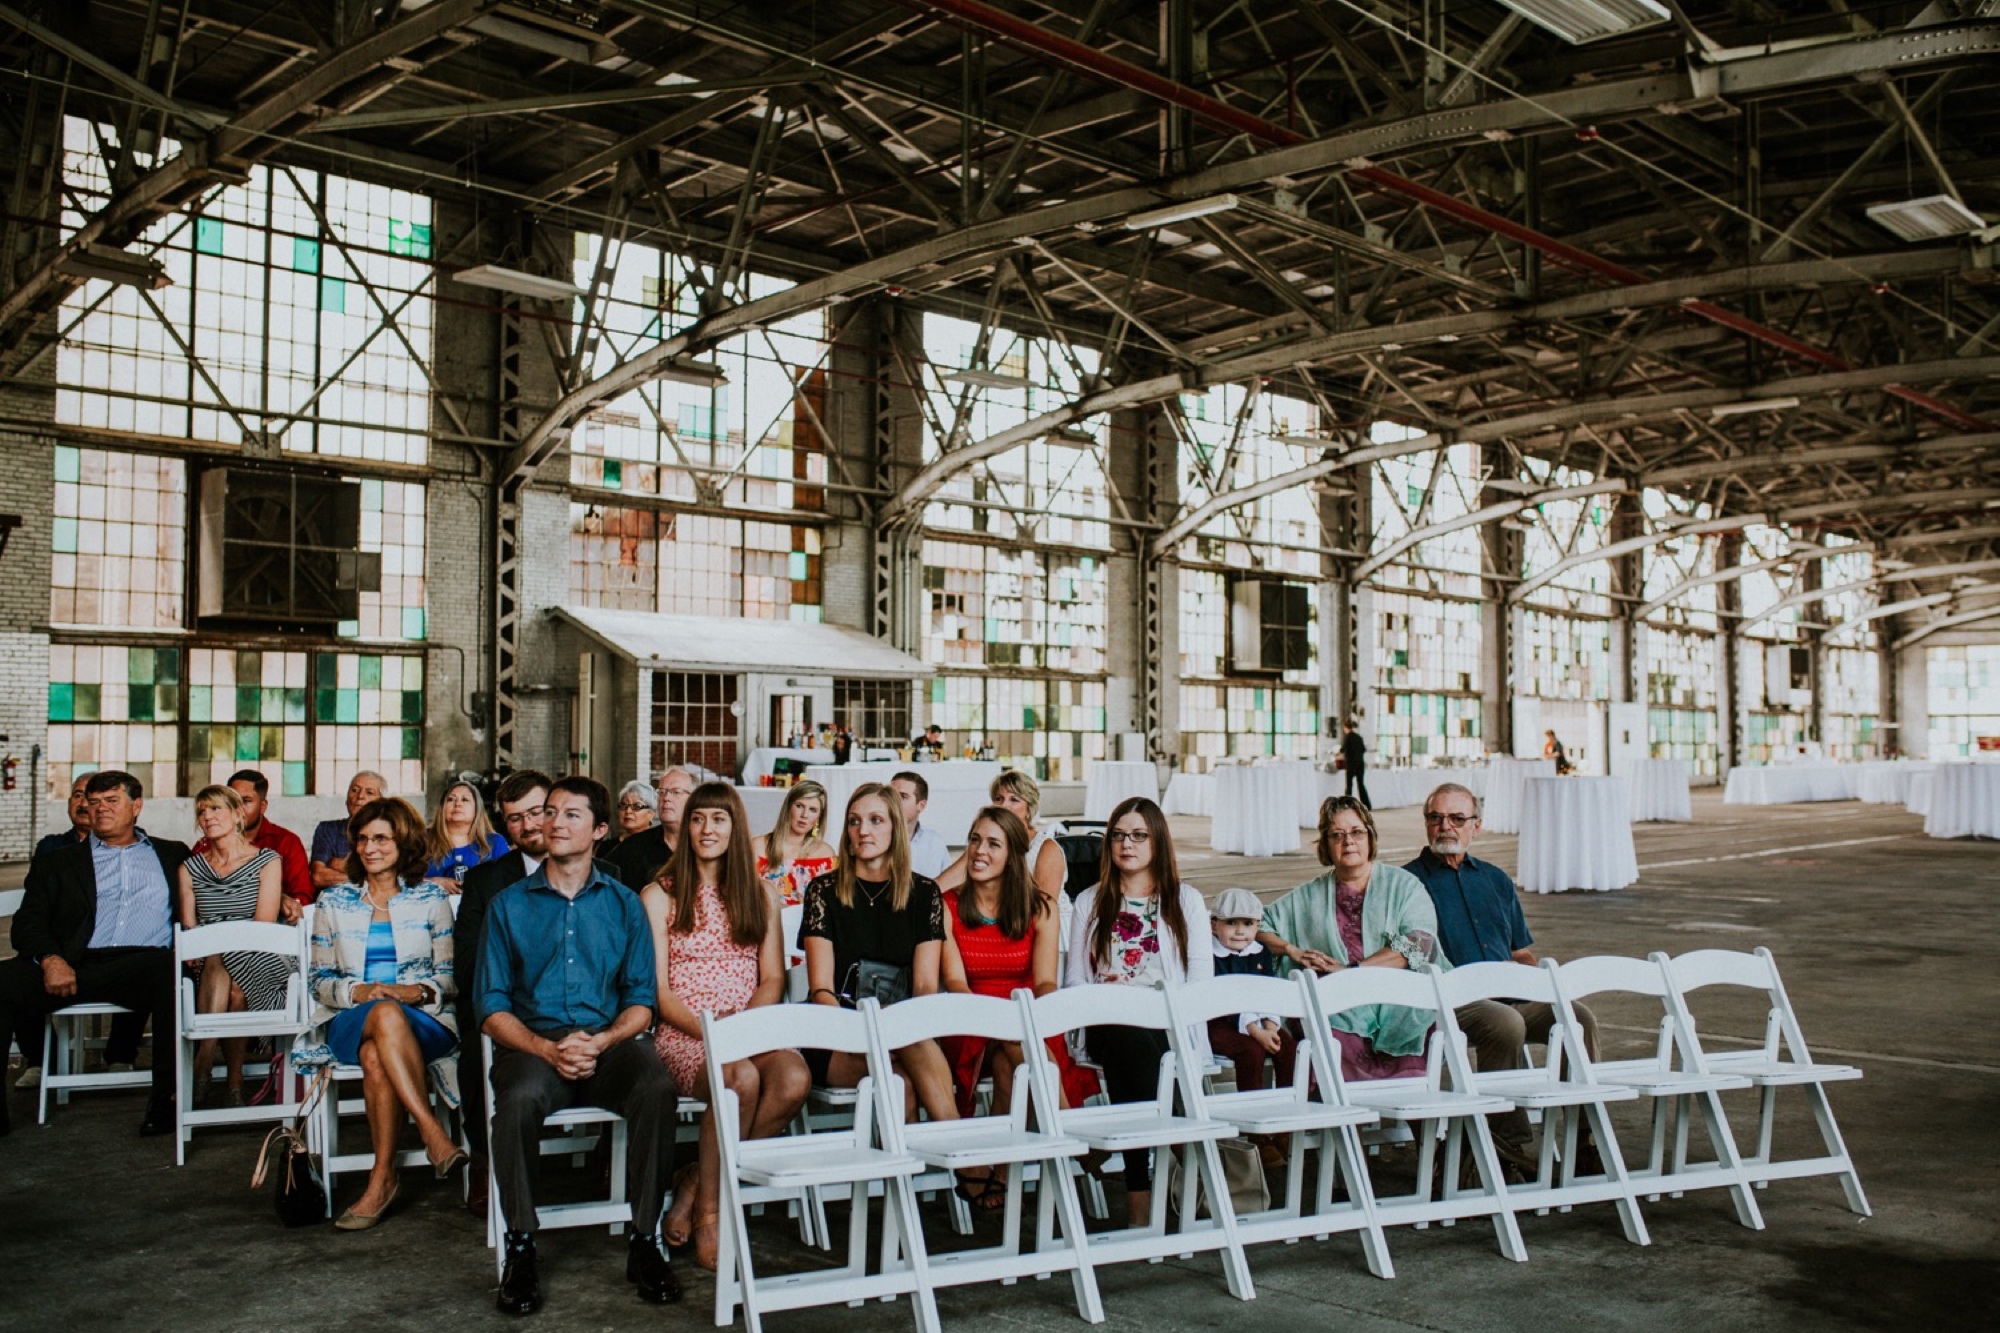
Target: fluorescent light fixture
x=702, y=374
x=1073, y=437
x=1935, y=217
x=517, y=283
x=981, y=378
x=1311, y=441
x=108, y=263
x=1748, y=406
x=1193, y=208
x=1580, y=21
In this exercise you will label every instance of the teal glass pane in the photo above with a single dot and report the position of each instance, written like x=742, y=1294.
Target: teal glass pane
x=413, y=705
x=371, y=672
x=305, y=255
x=139, y=666
x=937, y=689
x=247, y=738
x=347, y=629
x=208, y=235
x=168, y=666
x=139, y=704
x=413, y=743
x=295, y=705
x=326, y=671
x=409, y=238
x=332, y=296
x=293, y=775
x=614, y=472
x=271, y=704
x=249, y=702
x=347, y=706
x=166, y=703
x=69, y=463
x=413, y=622
x=323, y=705
x=64, y=539
x=201, y=706
x=89, y=699
x=797, y=563
x=62, y=701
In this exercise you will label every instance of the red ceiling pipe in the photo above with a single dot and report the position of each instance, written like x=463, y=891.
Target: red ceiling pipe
x=1032, y=37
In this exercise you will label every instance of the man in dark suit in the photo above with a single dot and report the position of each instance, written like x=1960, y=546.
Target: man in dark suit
x=96, y=925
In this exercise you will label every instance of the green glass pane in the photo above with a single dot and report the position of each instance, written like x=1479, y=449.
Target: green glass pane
x=139, y=704
x=295, y=705
x=614, y=473
x=166, y=703
x=413, y=705
x=139, y=666
x=249, y=702
x=201, y=707
x=69, y=463
x=413, y=743
x=89, y=699
x=347, y=706
x=323, y=705
x=371, y=672
x=271, y=704
x=169, y=666
x=247, y=737
x=305, y=255
x=208, y=235
x=64, y=539
x=326, y=671
x=332, y=296
x=413, y=622
x=62, y=701
x=409, y=238
x=294, y=778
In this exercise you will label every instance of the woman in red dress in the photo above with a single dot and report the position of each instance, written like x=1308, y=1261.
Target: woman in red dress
x=1001, y=934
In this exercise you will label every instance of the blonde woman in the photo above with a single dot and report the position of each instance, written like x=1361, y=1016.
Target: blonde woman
x=793, y=853
x=1021, y=796
x=461, y=836
x=231, y=881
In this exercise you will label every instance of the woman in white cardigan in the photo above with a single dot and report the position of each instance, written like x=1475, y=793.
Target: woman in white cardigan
x=1140, y=926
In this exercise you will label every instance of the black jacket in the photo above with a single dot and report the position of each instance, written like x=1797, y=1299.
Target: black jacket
x=1353, y=750
x=483, y=883
x=639, y=859
x=59, y=913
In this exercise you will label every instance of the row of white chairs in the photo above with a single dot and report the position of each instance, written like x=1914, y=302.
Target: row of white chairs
x=879, y=1154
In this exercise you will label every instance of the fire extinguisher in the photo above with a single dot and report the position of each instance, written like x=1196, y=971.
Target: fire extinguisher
x=7, y=767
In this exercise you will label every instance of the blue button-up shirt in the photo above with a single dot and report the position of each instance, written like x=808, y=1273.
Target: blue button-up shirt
x=562, y=964
x=1478, y=913
x=134, y=901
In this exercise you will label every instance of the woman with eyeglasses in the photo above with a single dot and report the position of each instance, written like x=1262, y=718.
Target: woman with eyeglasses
x=635, y=814
x=1138, y=926
x=792, y=855
x=1360, y=913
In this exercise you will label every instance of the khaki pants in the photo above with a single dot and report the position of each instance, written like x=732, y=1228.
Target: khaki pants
x=1498, y=1033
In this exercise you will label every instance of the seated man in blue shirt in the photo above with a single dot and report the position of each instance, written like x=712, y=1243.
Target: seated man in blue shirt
x=566, y=990
x=1479, y=921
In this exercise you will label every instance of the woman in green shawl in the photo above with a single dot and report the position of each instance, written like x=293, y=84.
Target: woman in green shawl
x=1360, y=913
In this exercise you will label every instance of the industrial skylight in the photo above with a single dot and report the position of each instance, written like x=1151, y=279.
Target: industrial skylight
x=1931, y=218
x=1582, y=21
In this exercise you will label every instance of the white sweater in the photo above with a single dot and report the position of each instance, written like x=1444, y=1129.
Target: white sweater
x=1081, y=969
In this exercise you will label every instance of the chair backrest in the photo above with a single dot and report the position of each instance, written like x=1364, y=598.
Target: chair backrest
x=777, y=1027
x=1102, y=1004
x=1496, y=981
x=1756, y=971
x=1083, y=859
x=925, y=1017
x=1581, y=978
x=1199, y=1001
x=238, y=937
x=1360, y=987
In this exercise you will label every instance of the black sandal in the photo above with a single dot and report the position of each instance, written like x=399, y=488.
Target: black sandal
x=986, y=1193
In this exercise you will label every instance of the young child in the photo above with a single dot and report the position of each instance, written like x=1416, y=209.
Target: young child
x=1247, y=1039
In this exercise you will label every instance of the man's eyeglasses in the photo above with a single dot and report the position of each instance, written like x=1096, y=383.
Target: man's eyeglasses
x=1456, y=821
x=1136, y=839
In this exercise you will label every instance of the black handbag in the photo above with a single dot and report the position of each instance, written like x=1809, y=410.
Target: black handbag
x=885, y=983
x=298, y=1190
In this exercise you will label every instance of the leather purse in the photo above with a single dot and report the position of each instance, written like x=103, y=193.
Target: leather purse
x=885, y=983
x=298, y=1190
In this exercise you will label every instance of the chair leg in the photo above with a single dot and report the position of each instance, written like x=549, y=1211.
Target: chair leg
x=1767, y=1115
x=1836, y=1147
x=1505, y=1227
x=900, y=1198
x=1361, y=1195
x=48, y=1068
x=1059, y=1187
x=1235, y=1264
x=1629, y=1215
x=1719, y=1137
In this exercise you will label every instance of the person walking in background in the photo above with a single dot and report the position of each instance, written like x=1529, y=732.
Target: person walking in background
x=330, y=848
x=1553, y=749
x=1354, y=762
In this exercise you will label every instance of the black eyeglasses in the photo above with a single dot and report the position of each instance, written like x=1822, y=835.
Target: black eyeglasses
x=1456, y=821
x=1135, y=839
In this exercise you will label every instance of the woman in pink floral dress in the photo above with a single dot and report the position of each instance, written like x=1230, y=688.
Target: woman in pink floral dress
x=718, y=947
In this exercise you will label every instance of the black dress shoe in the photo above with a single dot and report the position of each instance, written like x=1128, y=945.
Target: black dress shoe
x=159, y=1120
x=648, y=1267
x=520, y=1283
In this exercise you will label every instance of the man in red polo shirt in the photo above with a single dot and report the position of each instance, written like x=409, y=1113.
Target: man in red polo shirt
x=253, y=788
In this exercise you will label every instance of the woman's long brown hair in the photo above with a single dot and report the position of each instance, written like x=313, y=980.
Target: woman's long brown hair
x=899, y=849
x=744, y=896
x=1166, y=874
x=1020, y=900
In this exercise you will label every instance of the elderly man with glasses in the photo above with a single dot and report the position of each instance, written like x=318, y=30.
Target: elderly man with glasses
x=1479, y=920
x=642, y=856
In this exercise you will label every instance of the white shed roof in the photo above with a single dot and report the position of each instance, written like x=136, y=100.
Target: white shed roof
x=725, y=643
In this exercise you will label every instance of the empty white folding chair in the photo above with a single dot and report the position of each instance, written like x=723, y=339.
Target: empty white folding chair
x=1783, y=1061
x=1311, y=1112
x=1153, y=1126
x=1433, y=1110
x=572, y=1131
x=66, y=1044
x=857, y=1159
x=1565, y=1089
x=282, y=1025
x=1009, y=1137
x=1677, y=1077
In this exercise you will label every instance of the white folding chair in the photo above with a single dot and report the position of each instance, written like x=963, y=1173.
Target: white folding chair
x=569, y=1131
x=323, y=1131
x=283, y=1024
x=1783, y=1061
x=1147, y=1126
x=65, y=1047
x=1676, y=1076
x=1432, y=1109
x=1008, y=1138
x=1311, y=1112
x=1565, y=1089
x=828, y=1161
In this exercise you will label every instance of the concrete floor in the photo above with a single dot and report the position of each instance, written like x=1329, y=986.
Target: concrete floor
x=1886, y=940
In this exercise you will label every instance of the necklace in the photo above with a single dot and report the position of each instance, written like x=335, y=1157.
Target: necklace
x=874, y=895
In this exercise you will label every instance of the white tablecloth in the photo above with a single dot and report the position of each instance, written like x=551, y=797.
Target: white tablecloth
x=1190, y=794
x=1576, y=833
x=1918, y=802
x=1660, y=791
x=1965, y=801
x=1256, y=809
x=1790, y=784
x=958, y=790
x=1500, y=810
x=1887, y=781
x=1106, y=782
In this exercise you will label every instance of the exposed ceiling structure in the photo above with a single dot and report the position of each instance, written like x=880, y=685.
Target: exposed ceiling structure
x=1662, y=256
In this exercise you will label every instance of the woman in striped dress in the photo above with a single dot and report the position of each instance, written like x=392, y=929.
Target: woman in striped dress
x=232, y=881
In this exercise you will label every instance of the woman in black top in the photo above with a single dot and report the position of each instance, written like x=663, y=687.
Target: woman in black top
x=872, y=927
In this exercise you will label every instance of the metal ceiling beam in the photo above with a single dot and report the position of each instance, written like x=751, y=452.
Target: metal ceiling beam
x=1801, y=551
x=1947, y=622
x=1853, y=623
x=1629, y=546
x=1857, y=585
x=1945, y=537
x=1478, y=518
x=200, y=118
